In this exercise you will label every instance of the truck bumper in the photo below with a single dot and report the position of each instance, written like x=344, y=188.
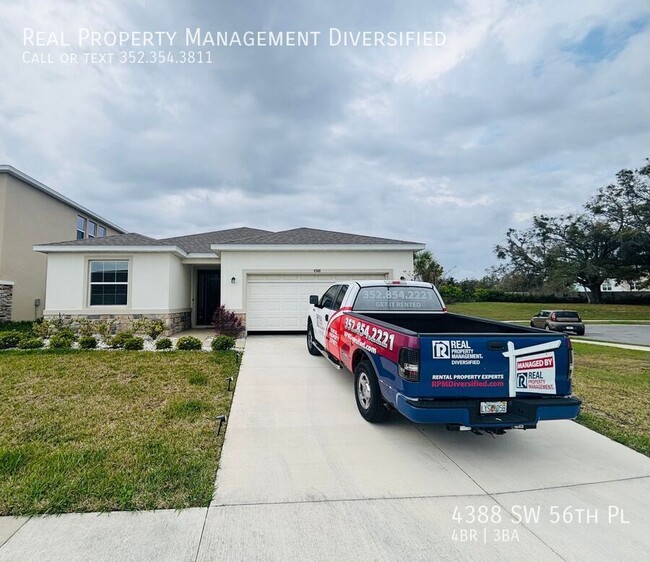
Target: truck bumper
x=521, y=412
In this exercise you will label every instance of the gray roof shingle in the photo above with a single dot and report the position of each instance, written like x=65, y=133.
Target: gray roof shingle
x=309, y=236
x=200, y=243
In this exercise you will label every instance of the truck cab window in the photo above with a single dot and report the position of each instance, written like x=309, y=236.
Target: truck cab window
x=328, y=298
x=339, y=298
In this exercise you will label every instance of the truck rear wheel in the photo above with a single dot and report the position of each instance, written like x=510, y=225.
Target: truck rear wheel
x=311, y=346
x=366, y=391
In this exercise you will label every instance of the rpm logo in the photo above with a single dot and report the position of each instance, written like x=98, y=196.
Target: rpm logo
x=440, y=349
x=522, y=380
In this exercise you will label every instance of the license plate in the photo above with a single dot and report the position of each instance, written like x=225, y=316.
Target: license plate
x=494, y=407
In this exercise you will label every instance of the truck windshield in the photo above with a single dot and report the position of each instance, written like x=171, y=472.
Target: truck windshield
x=397, y=297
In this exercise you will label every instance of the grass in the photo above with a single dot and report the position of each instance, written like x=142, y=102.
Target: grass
x=102, y=431
x=614, y=385
x=525, y=311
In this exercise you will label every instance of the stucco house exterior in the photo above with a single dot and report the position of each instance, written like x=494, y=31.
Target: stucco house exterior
x=265, y=277
x=32, y=213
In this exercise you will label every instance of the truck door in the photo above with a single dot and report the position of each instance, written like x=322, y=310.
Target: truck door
x=323, y=312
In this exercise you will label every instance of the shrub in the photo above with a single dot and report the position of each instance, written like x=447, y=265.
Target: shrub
x=222, y=342
x=164, y=343
x=189, y=343
x=104, y=328
x=60, y=341
x=118, y=340
x=85, y=326
x=16, y=326
x=67, y=333
x=154, y=328
x=30, y=342
x=87, y=342
x=226, y=322
x=10, y=339
x=134, y=343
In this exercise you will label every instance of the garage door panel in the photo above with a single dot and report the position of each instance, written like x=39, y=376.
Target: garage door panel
x=281, y=302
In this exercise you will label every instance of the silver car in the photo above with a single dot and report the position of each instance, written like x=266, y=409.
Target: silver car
x=559, y=321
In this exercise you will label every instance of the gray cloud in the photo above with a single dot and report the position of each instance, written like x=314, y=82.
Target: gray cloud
x=528, y=108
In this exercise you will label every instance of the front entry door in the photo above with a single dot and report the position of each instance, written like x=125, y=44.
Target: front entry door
x=208, y=295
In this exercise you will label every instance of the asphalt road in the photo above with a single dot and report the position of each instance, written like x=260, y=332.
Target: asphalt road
x=635, y=334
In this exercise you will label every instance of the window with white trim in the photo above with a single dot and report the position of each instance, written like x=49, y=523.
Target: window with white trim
x=81, y=227
x=109, y=282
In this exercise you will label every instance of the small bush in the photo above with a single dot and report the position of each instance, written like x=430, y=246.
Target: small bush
x=87, y=342
x=60, y=341
x=134, y=344
x=10, y=339
x=30, y=342
x=85, y=326
x=67, y=333
x=118, y=340
x=163, y=343
x=16, y=326
x=226, y=322
x=221, y=343
x=189, y=343
x=154, y=328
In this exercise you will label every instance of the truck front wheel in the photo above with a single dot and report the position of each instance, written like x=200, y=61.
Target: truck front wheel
x=311, y=346
x=366, y=391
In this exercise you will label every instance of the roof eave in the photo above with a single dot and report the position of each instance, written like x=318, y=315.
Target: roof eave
x=409, y=246
x=81, y=249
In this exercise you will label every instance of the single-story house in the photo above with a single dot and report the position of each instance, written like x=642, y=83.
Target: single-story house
x=265, y=277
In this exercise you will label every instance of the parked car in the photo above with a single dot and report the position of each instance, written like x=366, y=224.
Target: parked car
x=559, y=321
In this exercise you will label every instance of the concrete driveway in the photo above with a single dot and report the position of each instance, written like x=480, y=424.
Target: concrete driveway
x=303, y=476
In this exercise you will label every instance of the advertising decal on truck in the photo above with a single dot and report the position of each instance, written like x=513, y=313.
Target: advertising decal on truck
x=530, y=370
x=536, y=373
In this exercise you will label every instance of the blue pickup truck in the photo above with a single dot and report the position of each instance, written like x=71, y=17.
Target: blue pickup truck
x=409, y=354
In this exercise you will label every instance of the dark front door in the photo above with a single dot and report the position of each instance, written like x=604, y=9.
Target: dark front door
x=208, y=295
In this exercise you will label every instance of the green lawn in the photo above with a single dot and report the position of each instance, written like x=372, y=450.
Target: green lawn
x=614, y=385
x=110, y=430
x=525, y=311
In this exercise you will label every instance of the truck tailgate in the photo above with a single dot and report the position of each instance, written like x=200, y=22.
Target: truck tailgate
x=494, y=365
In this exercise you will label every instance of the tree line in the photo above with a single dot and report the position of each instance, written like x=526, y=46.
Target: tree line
x=609, y=238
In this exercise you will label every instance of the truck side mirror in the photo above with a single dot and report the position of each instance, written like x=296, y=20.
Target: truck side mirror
x=313, y=299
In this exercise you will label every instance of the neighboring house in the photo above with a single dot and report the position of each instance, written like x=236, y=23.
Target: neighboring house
x=32, y=213
x=265, y=277
x=613, y=286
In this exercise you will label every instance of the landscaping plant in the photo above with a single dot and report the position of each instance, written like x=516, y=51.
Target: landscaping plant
x=222, y=343
x=189, y=343
x=226, y=322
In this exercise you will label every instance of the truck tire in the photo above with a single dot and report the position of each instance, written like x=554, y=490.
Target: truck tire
x=311, y=346
x=368, y=396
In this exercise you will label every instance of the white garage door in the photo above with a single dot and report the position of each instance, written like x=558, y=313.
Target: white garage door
x=281, y=302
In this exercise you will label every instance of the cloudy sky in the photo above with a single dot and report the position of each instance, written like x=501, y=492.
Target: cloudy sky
x=527, y=108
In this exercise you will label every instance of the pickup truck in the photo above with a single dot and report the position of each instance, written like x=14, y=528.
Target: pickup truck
x=409, y=354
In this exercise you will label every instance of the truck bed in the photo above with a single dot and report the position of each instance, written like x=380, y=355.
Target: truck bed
x=445, y=323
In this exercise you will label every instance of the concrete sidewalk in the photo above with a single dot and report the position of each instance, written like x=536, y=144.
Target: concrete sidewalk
x=303, y=476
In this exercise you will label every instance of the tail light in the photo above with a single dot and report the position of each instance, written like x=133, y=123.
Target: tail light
x=409, y=364
x=553, y=317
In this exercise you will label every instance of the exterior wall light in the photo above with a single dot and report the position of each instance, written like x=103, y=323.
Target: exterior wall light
x=233, y=280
